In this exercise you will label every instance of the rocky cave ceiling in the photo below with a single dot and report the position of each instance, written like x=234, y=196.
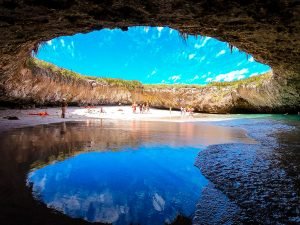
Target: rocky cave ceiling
x=268, y=30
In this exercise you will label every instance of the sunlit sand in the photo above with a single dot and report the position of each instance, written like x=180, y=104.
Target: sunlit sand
x=25, y=117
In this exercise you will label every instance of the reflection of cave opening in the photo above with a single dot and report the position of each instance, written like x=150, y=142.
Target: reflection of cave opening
x=152, y=55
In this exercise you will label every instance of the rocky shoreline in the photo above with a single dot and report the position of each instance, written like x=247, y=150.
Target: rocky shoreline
x=262, y=188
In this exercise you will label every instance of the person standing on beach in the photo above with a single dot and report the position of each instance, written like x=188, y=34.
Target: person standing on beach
x=134, y=107
x=63, y=108
x=141, y=108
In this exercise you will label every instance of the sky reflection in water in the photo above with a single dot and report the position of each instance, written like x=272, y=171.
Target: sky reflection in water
x=146, y=185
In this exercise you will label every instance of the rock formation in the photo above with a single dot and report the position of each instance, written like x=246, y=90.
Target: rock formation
x=45, y=84
x=268, y=30
x=262, y=95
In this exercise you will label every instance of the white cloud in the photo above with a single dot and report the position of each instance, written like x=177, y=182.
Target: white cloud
x=222, y=52
x=233, y=75
x=54, y=47
x=160, y=29
x=203, y=43
x=70, y=49
x=175, y=78
x=62, y=42
x=197, y=46
x=152, y=73
x=40, y=184
x=191, y=56
x=251, y=59
x=209, y=79
x=196, y=77
x=49, y=42
x=146, y=29
x=158, y=202
x=202, y=58
x=253, y=74
x=203, y=76
x=240, y=63
x=171, y=31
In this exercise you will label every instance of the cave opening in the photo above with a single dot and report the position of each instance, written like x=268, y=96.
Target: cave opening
x=150, y=55
x=270, y=36
x=93, y=162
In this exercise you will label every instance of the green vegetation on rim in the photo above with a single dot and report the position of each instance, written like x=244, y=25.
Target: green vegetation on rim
x=134, y=84
x=254, y=79
x=68, y=74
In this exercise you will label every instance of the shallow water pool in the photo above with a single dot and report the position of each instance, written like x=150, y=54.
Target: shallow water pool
x=147, y=185
x=104, y=171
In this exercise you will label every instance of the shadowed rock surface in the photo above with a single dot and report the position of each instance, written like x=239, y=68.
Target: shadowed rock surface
x=215, y=208
x=269, y=30
x=257, y=177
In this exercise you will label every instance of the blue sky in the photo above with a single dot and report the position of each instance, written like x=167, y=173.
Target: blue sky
x=150, y=55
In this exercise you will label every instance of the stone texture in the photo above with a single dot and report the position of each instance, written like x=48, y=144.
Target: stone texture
x=269, y=30
x=257, y=177
x=41, y=86
x=265, y=96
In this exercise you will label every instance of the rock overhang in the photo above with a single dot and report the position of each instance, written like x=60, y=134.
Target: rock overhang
x=268, y=30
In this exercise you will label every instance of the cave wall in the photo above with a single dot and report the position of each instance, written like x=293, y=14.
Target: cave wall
x=39, y=85
x=266, y=95
x=268, y=30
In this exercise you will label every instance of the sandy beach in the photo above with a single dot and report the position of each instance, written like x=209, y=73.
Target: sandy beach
x=25, y=117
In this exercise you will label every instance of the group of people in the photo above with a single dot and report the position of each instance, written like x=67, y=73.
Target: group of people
x=143, y=107
x=188, y=110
